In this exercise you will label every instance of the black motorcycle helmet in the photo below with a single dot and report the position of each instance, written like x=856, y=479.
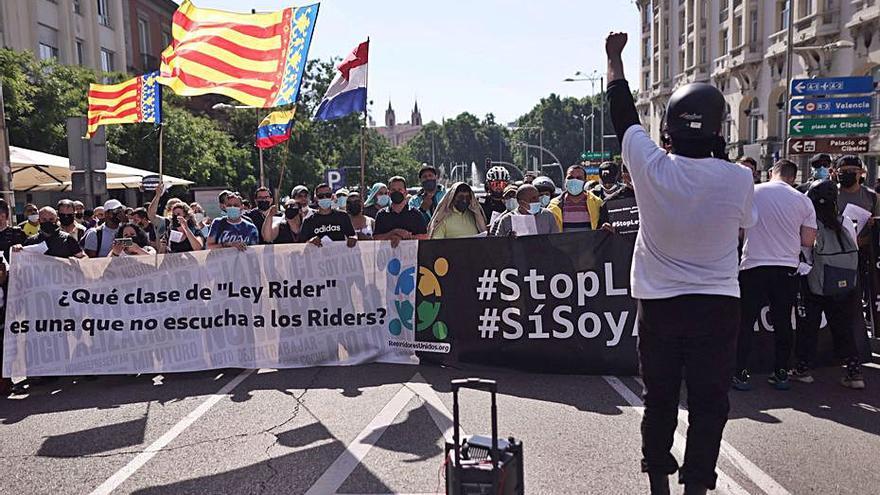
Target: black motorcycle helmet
x=695, y=111
x=823, y=193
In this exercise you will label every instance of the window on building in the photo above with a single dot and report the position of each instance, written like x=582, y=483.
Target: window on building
x=783, y=14
x=646, y=83
x=144, y=36
x=754, y=26
x=728, y=124
x=723, y=45
x=103, y=13
x=77, y=7
x=704, y=51
x=754, y=121
x=780, y=116
x=47, y=42
x=806, y=8
x=166, y=39
x=737, y=31
x=106, y=60
x=665, y=67
x=80, y=53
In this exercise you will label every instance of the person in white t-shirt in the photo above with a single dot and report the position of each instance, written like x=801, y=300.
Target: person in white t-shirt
x=692, y=204
x=770, y=267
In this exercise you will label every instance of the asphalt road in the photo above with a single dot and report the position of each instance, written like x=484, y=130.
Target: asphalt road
x=379, y=429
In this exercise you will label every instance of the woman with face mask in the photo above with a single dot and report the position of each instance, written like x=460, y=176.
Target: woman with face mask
x=285, y=230
x=131, y=240
x=377, y=199
x=363, y=225
x=459, y=214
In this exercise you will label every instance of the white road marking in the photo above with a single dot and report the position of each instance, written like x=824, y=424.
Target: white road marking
x=138, y=462
x=747, y=467
x=354, y=453
x=724, y=484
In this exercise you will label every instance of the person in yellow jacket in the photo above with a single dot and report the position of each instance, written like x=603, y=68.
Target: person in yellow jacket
x=578, y=209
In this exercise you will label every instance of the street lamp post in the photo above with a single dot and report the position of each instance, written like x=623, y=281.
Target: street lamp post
x=592, y=78
x=226, y=106
x=540, y=141
x=583, y=118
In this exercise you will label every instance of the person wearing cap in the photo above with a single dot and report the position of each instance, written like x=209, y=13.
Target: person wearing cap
x=610, y=185
x=430, y=195
x=377, y=199
x=99, y=240
x=341, y=198
x=300, y=194
x=684, y=270
x=821, y=164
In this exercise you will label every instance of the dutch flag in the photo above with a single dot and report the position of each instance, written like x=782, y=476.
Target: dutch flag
x=348, y=91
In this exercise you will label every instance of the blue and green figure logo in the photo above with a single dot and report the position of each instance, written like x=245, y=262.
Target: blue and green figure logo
x=432, y=294
x=403, y=289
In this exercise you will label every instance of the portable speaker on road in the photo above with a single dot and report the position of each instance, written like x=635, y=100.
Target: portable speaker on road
x=477, y=464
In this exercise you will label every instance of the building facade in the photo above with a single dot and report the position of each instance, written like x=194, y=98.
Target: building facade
x=398, y=134
x=147, y=32
x=90, y=33
x=739, y=46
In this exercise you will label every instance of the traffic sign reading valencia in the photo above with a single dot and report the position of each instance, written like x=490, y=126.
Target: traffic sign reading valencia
x=832, y=86
x=844, y=145
x=813, y=127
x=831, y=106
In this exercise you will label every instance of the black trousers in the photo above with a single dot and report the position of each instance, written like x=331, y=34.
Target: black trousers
x=691, y=337
x=844, y=314
x=778, y=286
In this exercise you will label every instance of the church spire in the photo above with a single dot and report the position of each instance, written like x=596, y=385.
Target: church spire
x=416, y=118
x=389, y=116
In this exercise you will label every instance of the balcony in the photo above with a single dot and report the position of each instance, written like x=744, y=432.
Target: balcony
x=776, y=43
x=721, y=65
x=865, y=11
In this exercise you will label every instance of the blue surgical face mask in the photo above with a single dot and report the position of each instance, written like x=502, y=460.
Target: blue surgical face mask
x=821, y=173
x=534, y=208
x=545, y=201
x=383, y=200
x=341, y=202
x=511, y=204
x=233, y=212
x=574, y=186
x=325, y=203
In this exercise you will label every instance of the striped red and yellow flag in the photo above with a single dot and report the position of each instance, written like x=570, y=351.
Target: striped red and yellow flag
x=135, y=100
x=257, y=59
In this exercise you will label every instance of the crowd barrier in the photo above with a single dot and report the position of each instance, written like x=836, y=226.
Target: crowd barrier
x=553, y=304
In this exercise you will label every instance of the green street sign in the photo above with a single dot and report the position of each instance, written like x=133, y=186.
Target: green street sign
x=595, y=155
x=816, y=127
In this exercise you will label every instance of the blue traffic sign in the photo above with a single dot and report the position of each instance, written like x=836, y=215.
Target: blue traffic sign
x=831, y=106
x=335, y=178
x=832, y=86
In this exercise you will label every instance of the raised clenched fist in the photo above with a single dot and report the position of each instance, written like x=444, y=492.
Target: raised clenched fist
x=614, y=44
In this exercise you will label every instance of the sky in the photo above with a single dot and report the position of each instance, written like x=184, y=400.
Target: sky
x=480, y=56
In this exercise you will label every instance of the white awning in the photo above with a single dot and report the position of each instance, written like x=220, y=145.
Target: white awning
x=37, y=171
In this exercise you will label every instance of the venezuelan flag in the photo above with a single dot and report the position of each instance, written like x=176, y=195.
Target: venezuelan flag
x=275, y=129
x=257, y=59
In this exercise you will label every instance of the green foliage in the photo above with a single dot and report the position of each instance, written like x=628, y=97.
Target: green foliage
x=216, y=147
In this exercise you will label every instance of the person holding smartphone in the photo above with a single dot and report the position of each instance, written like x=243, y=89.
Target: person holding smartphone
x=286, y=231
x=131, y=240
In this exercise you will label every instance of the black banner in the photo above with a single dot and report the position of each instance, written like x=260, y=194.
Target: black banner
x=551, y=303
x=555, y=303
x=623, y=215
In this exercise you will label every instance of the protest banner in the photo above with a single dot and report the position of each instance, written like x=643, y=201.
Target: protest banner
x=548, y=303
x=284, y=306
x=623, y=215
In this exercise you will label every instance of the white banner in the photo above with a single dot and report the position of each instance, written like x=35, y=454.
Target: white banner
x=284, y=306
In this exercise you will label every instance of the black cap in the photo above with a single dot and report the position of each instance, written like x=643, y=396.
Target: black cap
x=818, y=159
x=695, y=111
x=849, y=160
x=609, y=166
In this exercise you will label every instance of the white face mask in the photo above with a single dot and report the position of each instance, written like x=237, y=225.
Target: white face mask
x=511, y=204
x=198, y=217
x=545, y=201
x=534, y=208
x=33, y=218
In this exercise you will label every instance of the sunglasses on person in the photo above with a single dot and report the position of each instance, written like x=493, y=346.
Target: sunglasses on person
x=324, y=195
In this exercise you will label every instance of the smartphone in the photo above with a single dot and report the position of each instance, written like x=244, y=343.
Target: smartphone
x=125, y=241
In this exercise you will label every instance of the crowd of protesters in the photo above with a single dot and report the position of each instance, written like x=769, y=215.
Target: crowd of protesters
x=389, y=212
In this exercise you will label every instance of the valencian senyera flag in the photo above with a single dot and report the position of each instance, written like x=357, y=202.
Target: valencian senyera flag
x=257, y=59
x=275, y=129
x=135, y=100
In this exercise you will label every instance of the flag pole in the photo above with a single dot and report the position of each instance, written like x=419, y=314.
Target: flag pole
x=161, y=177
x=262, y=174
x=364, y=135
x=281, y=174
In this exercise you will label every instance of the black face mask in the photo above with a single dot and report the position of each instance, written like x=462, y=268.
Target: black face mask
x=461, y=205
x=263, y=204
x=78, y=216
x=429, y=185
x=66, y=219
x=397, y=197
x=609, y=178
x=291, y=212
x=354, y=208
x=48, y=228
x=847, y=179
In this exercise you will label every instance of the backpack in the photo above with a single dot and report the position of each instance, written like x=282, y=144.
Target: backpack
x=835, y=263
